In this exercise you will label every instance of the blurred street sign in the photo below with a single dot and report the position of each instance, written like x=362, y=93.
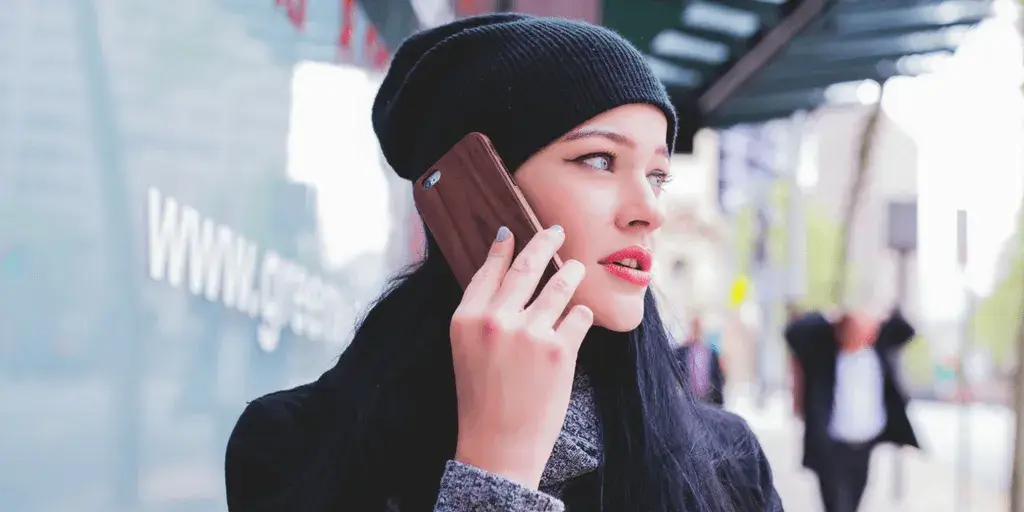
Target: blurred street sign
x=747, y=160
x=732, y=172
x=961, y=237
x=903, y=226
x=739, y=290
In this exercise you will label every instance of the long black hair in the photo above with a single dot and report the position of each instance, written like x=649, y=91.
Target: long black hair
x=394, y=423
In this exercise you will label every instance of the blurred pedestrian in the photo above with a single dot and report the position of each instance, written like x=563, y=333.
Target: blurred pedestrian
x=852, y=398
x=485, y=398
x=794, y=312
x=702, y=365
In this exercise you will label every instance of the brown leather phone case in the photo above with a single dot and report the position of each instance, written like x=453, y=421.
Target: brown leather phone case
x=465, y=197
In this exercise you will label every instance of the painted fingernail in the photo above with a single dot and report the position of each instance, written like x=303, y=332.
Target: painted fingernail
x=558, y=228
x=503, y=234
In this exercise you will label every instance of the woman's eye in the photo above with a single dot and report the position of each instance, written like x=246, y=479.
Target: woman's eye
x=658, y=179
x=599, y=162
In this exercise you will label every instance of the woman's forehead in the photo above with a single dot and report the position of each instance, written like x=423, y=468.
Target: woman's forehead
x=635, y=123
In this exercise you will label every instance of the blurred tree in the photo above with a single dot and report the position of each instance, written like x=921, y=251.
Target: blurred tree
x=1016, y=479
x=995, y=321
x=858, y=184
x=823, y=237
x=827, y=277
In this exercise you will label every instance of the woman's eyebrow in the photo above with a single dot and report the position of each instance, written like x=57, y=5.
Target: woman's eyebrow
x=618, y=138
x=589, y=133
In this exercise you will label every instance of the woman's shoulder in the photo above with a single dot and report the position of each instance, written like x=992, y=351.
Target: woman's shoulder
x=725, y=425
x=747, y=464
x=274, y=417
x=271, y=438
x=732, y=435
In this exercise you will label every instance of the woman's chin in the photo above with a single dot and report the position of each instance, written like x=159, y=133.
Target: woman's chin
x=613, y=309
x=619, y=321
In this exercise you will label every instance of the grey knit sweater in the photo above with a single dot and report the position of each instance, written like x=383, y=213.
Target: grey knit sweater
x=465, y=488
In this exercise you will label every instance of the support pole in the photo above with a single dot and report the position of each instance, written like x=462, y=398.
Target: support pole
x=1016, y=483
x=902, y=279
x=963, y=497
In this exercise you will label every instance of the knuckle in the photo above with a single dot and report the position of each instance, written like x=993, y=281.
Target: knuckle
x=494, y=326
x=524, y=264
x=560, y=285
x=555, y=353
x=566, y=280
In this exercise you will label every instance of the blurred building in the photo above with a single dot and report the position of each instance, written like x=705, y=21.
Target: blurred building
x=692, y=243
x=749, y=165
x=694, y=271
x=891, y=174
x=164, y=251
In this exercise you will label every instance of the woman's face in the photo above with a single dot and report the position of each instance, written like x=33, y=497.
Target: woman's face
x=602, y=182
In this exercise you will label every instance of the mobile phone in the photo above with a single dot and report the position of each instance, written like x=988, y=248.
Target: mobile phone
x=465, y=197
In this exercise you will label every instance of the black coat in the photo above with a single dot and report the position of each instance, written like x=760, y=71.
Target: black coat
x=275, y=461
x=814, y=343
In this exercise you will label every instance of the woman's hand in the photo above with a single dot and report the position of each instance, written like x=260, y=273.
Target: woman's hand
x=514, y=364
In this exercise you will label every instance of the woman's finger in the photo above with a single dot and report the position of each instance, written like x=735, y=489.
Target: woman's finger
x=575, y=325
x=520, y=281
x=487, y=280
x=554, y=298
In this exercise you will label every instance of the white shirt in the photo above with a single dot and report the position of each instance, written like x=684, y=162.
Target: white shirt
x=858, y=413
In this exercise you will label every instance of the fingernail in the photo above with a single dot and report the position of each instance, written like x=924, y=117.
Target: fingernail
x=503, y=234
x=558, y=228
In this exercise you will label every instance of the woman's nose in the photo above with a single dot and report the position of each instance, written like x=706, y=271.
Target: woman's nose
x=641, y=206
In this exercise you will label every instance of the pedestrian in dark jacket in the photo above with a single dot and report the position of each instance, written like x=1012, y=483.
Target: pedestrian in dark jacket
x=852, y=397
x=479, y=399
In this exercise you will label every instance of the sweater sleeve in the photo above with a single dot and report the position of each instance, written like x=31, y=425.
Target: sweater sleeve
x=465, y=488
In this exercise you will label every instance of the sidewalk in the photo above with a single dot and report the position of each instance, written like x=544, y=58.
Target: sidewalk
x=929, y=486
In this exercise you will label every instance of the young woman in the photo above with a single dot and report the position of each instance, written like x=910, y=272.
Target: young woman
x=463, y=401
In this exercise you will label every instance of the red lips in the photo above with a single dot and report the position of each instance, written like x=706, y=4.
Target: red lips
x=633, y=252
x=639, y=276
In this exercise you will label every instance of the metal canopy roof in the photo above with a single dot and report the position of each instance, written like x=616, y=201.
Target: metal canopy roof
x=729, y=62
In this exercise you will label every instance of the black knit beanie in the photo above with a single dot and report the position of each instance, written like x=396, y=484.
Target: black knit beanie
x=521, y=80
